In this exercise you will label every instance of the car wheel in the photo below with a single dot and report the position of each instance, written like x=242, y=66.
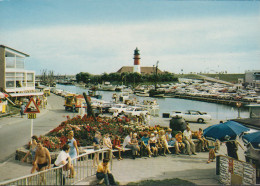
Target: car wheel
x=200, y=120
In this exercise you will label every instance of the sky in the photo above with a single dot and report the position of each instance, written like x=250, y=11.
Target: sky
x=97, y=36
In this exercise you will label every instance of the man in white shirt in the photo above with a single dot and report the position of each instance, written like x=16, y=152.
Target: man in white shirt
x=64, y=159
x=187, y=139
x=127, y=143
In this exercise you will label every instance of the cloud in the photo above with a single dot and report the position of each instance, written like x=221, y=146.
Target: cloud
x=194, y=45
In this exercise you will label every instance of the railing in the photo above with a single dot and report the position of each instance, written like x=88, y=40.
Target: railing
x=83, y=167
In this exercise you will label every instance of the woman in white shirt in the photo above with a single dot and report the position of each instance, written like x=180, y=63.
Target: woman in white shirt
x=64, y=159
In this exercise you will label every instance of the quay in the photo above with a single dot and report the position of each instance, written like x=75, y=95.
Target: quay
x=190, y=168
x=210, y=100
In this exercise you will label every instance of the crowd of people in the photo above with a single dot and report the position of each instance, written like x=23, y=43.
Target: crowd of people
x=148, y=143
x=153, y=143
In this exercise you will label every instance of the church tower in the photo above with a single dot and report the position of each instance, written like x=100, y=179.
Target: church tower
x=137, y=58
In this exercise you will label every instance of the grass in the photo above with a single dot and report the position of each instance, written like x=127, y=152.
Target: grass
x=175, y=181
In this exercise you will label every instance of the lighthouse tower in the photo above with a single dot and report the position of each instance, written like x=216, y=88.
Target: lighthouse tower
x=137, y=58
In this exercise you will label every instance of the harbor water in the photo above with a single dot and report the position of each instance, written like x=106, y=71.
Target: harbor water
x=167, y=105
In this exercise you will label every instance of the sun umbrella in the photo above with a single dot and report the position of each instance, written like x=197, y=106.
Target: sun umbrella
x=227, y=131
x=3, y=95
x=253, y=138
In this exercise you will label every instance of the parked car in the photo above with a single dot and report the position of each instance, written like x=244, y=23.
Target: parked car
x=193, y=116
x=135, y=111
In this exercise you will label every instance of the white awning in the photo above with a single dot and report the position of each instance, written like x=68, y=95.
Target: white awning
x=26, y=94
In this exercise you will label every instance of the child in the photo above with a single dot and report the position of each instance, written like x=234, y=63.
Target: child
x=117, y=145
x=212, y=154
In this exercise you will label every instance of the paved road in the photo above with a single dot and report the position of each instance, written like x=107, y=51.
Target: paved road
x=15, y=131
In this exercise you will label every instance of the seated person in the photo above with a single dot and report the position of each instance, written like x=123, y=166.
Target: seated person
x=134, y=141
x=170, y=140
x=127, y=144
x=107, y=144
x=153, y=146
x=179, y=144
x=163, y=142
x=158, y=142
x=104, y=172
x=64, y=159
x=117, y=145
x=187, y=139
x=203, y=141
x=146, y=143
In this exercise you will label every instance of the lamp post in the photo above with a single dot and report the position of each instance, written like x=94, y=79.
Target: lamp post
x=156, y=69
x=238, y=104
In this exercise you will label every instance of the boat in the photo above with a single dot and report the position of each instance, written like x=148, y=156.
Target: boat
x=92, y=93
x=107, y=87
x=159, y=95
x=123, y=96
x=144, y=93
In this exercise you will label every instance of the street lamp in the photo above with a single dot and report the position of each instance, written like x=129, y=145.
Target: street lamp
x=156, y=70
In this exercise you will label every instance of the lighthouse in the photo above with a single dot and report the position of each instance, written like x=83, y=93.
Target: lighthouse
x=137, y=58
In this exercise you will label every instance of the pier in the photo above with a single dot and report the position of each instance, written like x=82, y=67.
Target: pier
x=211, y=100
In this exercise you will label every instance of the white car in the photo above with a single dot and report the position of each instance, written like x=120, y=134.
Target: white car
x=135, y=111
x=193, y=116
x=118, y=107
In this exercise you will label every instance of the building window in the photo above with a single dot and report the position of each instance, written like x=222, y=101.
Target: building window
x=9, y=84
x=10, y=62
x=30, y=79
x=20, y=62
x=13, y=61
x=20, y=80
x=10, y=74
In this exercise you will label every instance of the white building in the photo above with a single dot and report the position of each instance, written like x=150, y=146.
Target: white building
x=252, y=77
x=14, y=78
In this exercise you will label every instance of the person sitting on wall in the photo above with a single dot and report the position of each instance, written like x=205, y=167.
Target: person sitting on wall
x=202, y=140
x=108, y=144
x=170, y=140
x=135, y=143
x=117, y=145
x=128, y=144
x=65, y=159
x=153, y=146
x=163, y=141
x=187, y=139
x=145, y=141
x=104, y=172
x=179, y=145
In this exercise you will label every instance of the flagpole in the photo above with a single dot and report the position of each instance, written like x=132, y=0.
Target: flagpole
x=31, y=129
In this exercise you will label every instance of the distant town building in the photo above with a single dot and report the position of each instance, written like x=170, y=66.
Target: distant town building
x=137, y=66
x=14, y=78
x=252, y=77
